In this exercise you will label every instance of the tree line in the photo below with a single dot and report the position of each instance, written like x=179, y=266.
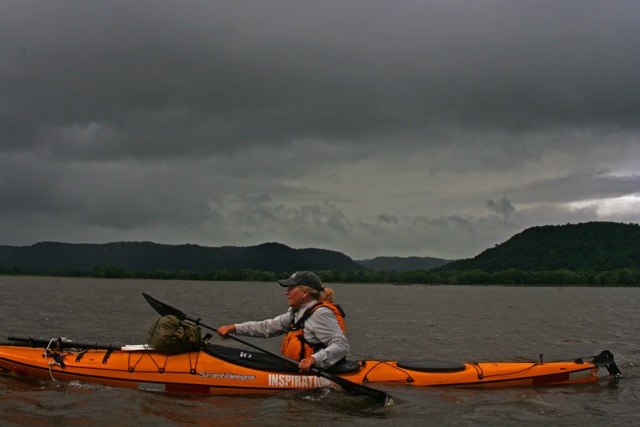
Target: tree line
x=560, y=277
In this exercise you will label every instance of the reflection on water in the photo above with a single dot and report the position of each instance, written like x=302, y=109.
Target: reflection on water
x=383, y=321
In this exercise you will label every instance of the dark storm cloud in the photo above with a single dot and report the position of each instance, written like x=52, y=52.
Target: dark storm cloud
x=161, y=79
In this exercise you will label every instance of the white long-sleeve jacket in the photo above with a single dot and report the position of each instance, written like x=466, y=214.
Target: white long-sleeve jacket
x=321, y=327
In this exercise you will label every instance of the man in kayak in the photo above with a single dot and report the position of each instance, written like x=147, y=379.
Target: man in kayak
x=314, y=327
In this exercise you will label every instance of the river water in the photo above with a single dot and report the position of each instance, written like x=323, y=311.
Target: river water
x=457, y=323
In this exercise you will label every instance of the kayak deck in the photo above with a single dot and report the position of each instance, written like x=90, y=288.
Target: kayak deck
x=224, y=370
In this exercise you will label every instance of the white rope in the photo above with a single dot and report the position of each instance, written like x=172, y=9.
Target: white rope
x=46, y=357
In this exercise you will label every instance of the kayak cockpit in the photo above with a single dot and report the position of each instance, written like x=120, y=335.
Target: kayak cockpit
x=426, y=365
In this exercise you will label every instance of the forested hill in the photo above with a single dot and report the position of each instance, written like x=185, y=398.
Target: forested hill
x=591, y=246
x=411, y=263
x=147, y=256
x=588, y=247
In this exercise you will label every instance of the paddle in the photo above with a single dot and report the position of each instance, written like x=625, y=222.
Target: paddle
x=380, y=397
x=60, y=344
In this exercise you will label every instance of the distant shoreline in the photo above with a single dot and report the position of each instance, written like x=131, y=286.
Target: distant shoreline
x=330, y=282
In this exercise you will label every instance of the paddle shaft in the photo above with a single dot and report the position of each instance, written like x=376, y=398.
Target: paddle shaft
x=236, y=338
x=350, y=387
x=60, y=344
x=264, y=350
x=380, y=397
x=279, y=356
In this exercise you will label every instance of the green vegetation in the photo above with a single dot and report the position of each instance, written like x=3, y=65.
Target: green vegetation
x=622, y=277
x=58, y=258
x=599, y=246
x=589, y=254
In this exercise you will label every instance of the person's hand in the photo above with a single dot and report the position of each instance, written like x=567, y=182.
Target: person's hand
x=306, y=364
x=223, y=331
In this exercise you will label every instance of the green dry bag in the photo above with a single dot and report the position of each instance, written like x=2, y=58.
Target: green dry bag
x=170, y=335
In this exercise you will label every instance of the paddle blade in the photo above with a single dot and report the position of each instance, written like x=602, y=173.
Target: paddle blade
x=380, y=397
x=162, y=308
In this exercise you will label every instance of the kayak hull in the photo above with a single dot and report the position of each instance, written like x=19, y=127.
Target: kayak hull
x=206, y=372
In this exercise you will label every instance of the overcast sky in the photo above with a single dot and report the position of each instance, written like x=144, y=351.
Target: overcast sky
x=373, y=128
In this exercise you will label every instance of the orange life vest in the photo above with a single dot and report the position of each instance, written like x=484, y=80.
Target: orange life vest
x=294, y=346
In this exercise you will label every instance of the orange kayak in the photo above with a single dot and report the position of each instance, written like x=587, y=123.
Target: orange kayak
x=224, y=370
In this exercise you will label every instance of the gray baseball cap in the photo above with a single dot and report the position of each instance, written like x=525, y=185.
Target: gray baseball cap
x=306, y=278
